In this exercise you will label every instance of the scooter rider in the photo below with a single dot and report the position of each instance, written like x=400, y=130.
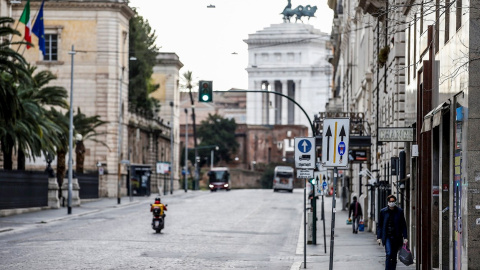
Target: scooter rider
x=158, y=204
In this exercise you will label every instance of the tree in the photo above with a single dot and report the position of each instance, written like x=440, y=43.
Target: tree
x=216, y=130
x=87, y=128
x=33, y=132
x=12, y=71
x=142, y=47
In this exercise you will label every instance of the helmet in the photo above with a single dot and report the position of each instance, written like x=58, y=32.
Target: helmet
x=157, y=199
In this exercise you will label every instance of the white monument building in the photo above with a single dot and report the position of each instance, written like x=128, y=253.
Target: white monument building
x=292, y=59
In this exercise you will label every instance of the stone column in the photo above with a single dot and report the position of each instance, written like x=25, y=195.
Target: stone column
x=75, y=191
x=53, y=201
x=258, y=115
x=298, y=112
x=285, y=101
x=271, y=99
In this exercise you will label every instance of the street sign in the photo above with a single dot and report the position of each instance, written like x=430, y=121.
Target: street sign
x=308, y=174
x=305, y=153
x=324, y=185
x=163, y=167
x=336, y=135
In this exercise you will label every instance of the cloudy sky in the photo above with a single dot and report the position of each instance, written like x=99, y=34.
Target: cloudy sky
x=209, y=41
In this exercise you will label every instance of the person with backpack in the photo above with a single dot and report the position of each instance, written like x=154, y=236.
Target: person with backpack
x=160, y=206
x=356, y=210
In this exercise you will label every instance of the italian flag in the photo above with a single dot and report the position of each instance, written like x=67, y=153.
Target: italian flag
x=25, y=19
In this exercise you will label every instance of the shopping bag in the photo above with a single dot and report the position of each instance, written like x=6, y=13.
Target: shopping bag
x=361, y=225
x=405, y=256
x=349, y=221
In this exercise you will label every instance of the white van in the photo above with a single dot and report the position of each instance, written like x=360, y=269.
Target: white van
x=283, y=178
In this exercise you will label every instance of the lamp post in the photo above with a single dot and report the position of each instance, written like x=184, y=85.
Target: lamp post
x=120, y=139
x=211, y=156
x=185, y=184
x=70, y=137
x=171, y=150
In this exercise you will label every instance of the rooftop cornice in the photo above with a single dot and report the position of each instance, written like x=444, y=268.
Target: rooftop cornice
x=80, y=5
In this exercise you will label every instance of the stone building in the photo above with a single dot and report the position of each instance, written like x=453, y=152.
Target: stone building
x=412, y=67
x=291, y=59
x=97, y=31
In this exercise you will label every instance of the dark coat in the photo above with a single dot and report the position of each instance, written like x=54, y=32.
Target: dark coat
x=352, y=209
x=400, y=226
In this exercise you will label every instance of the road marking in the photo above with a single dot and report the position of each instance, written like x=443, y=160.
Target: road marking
x=335, y=143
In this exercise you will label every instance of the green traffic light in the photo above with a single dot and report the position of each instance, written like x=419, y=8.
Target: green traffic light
x=205, y=91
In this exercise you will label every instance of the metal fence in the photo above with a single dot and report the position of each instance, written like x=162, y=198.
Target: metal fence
x=23, y=189
x=88, y=185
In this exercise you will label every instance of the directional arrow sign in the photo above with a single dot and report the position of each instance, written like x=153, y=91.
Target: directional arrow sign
x=305, y=157
x=336, y=133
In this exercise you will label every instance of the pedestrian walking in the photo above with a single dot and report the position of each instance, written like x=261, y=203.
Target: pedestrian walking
x=391, y=229
x=356, y=209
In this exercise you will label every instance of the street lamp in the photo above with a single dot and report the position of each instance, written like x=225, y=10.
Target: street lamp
x=70, y=137
x=171, y=150
x=185, y=184
x=211, y=156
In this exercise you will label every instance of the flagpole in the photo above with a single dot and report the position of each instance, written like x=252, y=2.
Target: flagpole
x=33, y=20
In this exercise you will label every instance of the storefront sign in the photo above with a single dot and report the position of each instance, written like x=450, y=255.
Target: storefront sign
x=396, y=134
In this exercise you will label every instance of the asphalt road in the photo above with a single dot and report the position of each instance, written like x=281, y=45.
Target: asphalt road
x=241, y=229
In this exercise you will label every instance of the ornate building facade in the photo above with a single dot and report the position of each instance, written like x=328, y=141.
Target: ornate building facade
x=291, y=59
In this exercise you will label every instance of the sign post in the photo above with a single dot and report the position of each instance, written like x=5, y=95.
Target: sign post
x=336, y=132
x=305, y=163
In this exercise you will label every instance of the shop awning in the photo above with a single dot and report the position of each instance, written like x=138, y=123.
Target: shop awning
x=434, y=117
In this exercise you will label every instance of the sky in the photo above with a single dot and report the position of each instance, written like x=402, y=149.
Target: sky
x=209, y=41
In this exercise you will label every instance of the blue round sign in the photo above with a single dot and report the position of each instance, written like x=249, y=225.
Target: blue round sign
x=304, y=146
x=324, y=185
x=341, y=148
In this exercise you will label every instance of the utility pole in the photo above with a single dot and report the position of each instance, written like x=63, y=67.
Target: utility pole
x=120, y=139
x=171, y=149
x=185, y=183
x=70, y=137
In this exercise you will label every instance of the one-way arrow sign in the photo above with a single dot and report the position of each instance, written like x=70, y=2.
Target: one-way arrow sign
x=336, y=133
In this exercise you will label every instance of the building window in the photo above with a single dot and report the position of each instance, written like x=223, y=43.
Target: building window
x=459, y=14
x=278, y=57
x=265, y=57
x=447, y=20
x=437, y=25
x=409, y=53
x=51, y=47
x=415, y=46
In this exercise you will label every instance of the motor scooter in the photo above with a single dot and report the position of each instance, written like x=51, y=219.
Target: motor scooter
x=158, y=222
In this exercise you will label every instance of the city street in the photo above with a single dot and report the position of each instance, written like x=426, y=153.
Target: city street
x=249, y=229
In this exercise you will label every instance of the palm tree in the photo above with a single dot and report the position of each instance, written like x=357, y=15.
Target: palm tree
x=12, y=72
x=87, y=128
x=12, y=69
x=188, y=83
x=63, y=121
x=36, y=131
x=33, y=132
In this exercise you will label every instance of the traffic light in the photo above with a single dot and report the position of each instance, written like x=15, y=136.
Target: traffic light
x=313, y=181
x=205, y=92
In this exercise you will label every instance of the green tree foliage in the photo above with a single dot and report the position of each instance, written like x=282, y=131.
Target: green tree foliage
x=87, y=126
x=143, y=48
x=12, y=71
x=216, y=130
x=33, y=132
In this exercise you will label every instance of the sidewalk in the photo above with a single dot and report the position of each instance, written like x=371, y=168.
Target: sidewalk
x=24, y=220
x=351, y=251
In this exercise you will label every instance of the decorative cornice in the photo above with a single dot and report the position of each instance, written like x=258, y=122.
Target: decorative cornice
x=123, y=7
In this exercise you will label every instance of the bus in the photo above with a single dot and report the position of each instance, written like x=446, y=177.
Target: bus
x=283, y=178
x=219, y=178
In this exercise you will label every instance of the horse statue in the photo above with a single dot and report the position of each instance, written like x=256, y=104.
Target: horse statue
x=298, y=12
x=308, y=11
